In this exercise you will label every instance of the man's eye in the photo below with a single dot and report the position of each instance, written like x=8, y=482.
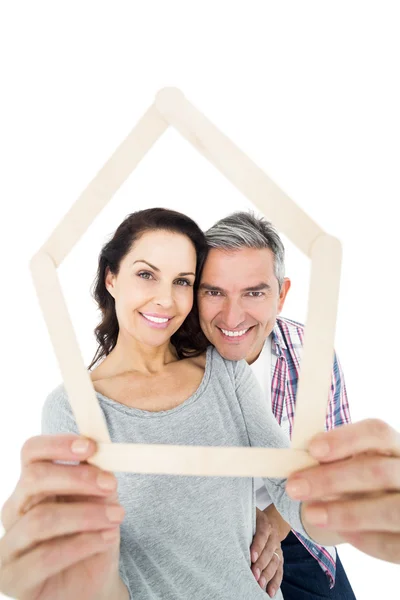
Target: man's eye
x=213, y=293
x=183, y=282
x=256, y=294
x=145, y=275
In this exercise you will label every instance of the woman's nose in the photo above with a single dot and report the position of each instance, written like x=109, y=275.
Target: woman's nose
x=164, y=297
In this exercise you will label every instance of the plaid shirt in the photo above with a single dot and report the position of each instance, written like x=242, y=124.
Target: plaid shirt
x=287, y=345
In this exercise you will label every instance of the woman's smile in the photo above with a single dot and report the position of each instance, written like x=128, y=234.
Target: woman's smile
x=156, y=321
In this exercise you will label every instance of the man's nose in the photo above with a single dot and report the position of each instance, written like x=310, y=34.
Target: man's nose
x=232, y=314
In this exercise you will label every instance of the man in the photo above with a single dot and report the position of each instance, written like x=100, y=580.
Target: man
x=241, y=293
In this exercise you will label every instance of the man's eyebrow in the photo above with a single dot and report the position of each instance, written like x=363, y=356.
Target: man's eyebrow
x=258, y=288
x=157, y=269
x=208, y=286
x=254, y=288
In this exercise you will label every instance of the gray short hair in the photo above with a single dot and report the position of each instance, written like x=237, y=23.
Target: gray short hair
x=245, y=230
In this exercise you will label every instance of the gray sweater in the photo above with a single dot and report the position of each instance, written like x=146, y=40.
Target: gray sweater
x=189, y=537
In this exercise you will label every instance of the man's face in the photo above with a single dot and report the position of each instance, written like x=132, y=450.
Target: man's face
x=239, y=300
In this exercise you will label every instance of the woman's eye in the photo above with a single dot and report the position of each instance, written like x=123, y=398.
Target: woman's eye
x=145, y=275
x=183, y=282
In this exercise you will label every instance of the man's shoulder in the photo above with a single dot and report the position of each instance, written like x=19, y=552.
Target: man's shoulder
x=284, y=321
x=291, y=331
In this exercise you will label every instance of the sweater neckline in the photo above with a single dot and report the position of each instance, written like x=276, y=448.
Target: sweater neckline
x=139, y=412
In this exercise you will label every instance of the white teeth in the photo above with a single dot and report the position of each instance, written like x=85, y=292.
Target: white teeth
x=155, y=319
x=234, y=333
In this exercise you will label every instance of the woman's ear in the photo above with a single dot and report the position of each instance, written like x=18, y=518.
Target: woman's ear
x=109, y=282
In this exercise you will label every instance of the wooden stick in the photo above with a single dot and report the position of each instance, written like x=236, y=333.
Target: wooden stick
x=317, y=360
x=238, y=168
x=105, y=184
x=201, y=460
x=82, y=397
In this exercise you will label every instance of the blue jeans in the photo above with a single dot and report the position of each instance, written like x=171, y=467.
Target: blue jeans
x=303, y=578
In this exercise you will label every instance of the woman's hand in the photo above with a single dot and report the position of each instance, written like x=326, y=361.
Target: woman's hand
x=355, y=491
x=265, y=551
x=61, y=526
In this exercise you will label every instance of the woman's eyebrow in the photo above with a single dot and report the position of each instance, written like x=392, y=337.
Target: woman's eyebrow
x=147, y=263
x=158, y=270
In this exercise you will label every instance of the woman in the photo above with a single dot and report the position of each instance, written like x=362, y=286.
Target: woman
x=182, y=537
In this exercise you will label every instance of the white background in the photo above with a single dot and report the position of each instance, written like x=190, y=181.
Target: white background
x=309, y=90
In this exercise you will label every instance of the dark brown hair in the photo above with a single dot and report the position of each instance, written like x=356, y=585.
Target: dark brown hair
x=189, y=340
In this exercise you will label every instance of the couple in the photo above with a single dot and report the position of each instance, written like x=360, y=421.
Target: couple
x=160, y=381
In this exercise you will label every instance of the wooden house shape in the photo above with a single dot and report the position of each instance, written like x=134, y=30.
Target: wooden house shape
x=170, y=107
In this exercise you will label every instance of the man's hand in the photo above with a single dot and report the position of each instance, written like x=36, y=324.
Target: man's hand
x=265, y=551
x=355, y=491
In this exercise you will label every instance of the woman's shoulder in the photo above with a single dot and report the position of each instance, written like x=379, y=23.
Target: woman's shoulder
x=212, y=364
x=57, y=415
x=58, y=396
x=199, y=361
x=233, y=367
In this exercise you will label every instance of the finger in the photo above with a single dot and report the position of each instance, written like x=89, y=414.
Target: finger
x=266, y=555
x=52, y=520
x=51, y=558
x=66, y=447
x=263, y=532
x=275, y=582
x=63, y=447
x=363, y=514
x=385, y=546
x=269, y=571
x=362, y=473
x=368, y=435
x=270, y=568
x=41, y=479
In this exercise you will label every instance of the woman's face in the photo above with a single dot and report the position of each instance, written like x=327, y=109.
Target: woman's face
x=153, y=290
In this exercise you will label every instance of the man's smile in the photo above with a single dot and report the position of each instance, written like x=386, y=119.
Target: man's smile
x=234, y=334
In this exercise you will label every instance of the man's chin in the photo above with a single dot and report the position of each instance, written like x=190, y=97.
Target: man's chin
x=231, y=352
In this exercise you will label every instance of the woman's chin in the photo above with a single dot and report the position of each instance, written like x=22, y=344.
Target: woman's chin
x=155, y=337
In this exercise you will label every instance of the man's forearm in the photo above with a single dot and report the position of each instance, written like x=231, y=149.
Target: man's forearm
x=122, y=593
x=320, y=536
x=117, y=591
x=277, y=521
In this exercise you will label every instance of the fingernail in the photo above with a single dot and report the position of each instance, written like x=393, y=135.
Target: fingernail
x=273, y=592
x=254, y=556
x=115, y=514
x=80, y=446
x=298, y=488
x=319, y=448
x=257, y=574
x=110, y=534
x=106, y=481
x=263, y=582
x=317, y=515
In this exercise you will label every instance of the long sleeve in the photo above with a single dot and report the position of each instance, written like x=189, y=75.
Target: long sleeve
x=57, y=418
x=264, y=431
x=338, y=412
